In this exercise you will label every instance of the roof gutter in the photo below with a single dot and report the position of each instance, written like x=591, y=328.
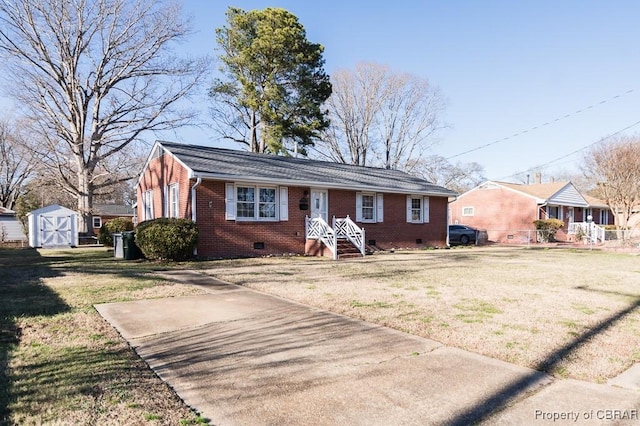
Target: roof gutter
x=193, y=198
x=193, y=206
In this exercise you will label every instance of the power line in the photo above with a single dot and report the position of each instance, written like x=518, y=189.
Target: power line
x=539, y=166
x=541, y=125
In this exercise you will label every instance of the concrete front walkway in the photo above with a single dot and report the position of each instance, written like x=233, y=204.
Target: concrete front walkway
x=240, y=357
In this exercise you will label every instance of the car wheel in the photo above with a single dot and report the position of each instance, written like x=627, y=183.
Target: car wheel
x=464, y=239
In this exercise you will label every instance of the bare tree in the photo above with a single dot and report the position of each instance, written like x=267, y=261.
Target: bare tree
x=380, y=118
x=615, y=168
x=17, y=162
x=95, y=76
x=458, y=177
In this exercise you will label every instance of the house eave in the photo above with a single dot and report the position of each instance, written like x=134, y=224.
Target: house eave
x=315, y=184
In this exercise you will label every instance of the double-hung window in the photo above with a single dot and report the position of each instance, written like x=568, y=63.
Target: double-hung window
x=97, y=222
x=267, y=203
x=417, y=209
x=468, y=211
x=248, y=202
x=369, y=207
x=147, y=204
x=174, y=200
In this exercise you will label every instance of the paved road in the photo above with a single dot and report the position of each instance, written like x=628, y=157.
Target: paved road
x=240, y=357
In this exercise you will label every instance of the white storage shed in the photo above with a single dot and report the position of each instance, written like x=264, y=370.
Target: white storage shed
x=53, y=226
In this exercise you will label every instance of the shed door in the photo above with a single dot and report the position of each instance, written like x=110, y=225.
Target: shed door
x=55, y=230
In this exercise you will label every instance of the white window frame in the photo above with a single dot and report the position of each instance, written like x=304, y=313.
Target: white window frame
x=147, y=205
x=99, y=219
x=604, y=217
x=280, y=202
x=423, y=209
x=377, y=207
x=174, y=200
x=468, y=211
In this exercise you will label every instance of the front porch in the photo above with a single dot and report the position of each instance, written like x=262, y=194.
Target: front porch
x=588, y=232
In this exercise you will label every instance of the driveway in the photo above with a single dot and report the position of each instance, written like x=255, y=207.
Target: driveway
x=241, y=357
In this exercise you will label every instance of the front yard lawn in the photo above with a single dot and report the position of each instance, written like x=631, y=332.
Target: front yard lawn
x=573, y=313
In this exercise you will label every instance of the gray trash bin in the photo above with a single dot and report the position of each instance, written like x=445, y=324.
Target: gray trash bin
x=118, y=246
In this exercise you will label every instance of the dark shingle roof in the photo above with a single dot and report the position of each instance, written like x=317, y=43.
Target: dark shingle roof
x=241, y=165
x=112, y=210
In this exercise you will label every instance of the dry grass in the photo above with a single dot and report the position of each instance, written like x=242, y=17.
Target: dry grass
x=60, y=362
x=572, y=313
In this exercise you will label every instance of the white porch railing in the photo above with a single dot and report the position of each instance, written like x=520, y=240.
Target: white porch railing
x=318, y=229
x=589, y=230
x=346, y=228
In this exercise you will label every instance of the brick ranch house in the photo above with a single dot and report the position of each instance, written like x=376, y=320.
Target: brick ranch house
x=507, y=210
x=103, y=213
x=248, y=204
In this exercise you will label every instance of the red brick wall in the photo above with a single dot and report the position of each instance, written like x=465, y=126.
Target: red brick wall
x=221, y=238
x=507, y=216
x=224, y=238
x=163, y=171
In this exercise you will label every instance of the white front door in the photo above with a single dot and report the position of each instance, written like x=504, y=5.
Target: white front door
x=319, y=203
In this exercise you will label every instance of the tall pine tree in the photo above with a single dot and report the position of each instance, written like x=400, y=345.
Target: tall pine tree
x=274, y=87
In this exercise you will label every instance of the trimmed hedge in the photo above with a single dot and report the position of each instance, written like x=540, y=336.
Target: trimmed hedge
x=547, y=229
x=113, y=226
x=167, y=238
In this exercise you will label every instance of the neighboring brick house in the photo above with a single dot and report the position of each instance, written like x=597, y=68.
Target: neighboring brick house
x=507, y=210
x=103, y=213
x=248, y=204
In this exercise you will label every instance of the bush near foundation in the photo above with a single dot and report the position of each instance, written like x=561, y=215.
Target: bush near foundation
x=113, y=226
x=167, y=238
x=547, y=229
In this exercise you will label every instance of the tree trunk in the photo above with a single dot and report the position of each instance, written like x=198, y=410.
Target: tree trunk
x=85, y=203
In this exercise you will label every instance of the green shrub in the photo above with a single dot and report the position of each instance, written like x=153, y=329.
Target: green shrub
x=167, y=238
x=119, y=224
x=547, y=229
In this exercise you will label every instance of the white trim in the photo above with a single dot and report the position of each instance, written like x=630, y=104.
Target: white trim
x=230, y=202
x=360, y=206
x=147, y=205
x=172, y=201
x=471, y=211
x=425, y=210
x=284, y=203
x=281, y=202
x=151, y=157
x=93, y=221
x=380, y=207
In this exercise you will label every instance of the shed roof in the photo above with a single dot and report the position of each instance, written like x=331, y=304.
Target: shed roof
x=227, y=164
x=53, y=208
x=112, y=210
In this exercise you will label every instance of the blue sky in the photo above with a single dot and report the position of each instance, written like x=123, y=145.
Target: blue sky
x=504, y=67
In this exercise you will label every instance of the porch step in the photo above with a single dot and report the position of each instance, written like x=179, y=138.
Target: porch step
x=347, y=250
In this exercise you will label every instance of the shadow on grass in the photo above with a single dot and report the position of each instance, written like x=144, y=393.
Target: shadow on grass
x=499, y=400
x=22, y=294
